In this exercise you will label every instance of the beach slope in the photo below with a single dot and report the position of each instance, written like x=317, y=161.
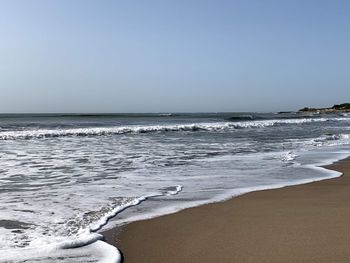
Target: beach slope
x=305, y=223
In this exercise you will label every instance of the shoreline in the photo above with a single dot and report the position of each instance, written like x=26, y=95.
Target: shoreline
x=298, y=223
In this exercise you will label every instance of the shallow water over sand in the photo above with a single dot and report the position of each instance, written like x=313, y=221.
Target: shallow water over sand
x=64, y=177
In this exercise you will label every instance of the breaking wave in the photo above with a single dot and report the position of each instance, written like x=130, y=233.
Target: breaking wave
x=100, y=131
x=332, y=137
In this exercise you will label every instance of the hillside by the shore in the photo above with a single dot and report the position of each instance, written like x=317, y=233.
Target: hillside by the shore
x=344, y=107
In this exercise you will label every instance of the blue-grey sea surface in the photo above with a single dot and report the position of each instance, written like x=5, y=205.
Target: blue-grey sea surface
x=65, y=177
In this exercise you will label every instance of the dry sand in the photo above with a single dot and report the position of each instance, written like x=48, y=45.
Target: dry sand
x=305, y=223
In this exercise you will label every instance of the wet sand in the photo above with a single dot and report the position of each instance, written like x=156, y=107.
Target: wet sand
x=305, y=223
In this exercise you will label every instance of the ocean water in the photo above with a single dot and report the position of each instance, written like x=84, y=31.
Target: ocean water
x=65, y=178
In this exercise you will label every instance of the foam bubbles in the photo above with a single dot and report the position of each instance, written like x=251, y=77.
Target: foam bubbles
x=102, y=131
x=289, y=156
x=60, y=186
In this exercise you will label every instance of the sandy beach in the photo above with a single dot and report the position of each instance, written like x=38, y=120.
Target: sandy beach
x=305, y=223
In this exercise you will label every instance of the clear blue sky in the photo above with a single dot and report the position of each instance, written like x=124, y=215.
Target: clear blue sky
x=166, y=56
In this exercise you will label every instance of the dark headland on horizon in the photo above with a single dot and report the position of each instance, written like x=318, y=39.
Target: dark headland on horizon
x=344, y=107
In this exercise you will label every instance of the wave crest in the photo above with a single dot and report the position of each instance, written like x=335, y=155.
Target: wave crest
x=332, y=137
x=100, y=131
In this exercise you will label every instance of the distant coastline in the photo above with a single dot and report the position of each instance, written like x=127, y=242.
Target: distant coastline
x=344, y=107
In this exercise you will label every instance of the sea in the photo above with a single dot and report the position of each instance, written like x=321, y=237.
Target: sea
x=65, y=178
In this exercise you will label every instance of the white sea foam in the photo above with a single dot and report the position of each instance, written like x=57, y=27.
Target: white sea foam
x=87, y=244
x=289, y=156
x=103, y=220
x=64, y=189
x=100, y=131
x=177, y=190
x=317, y=165
x=98, y=251
x=333, y=139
